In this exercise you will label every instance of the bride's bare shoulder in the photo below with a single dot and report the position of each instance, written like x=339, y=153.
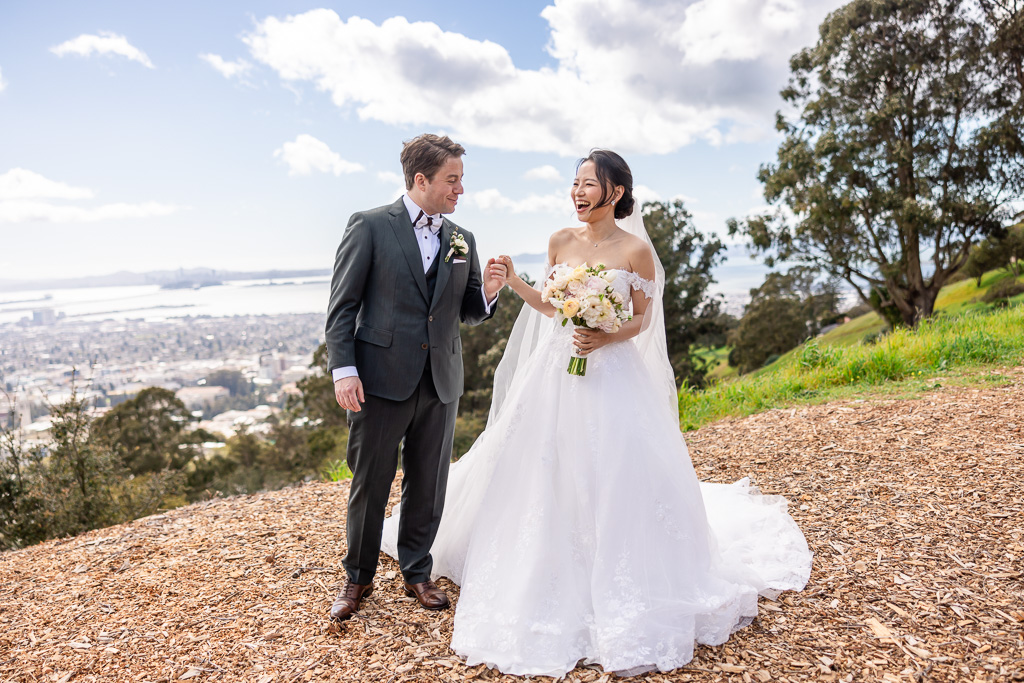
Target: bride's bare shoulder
x=634, y=244
x=563, y=236
x=641, y=260
x=559, y=239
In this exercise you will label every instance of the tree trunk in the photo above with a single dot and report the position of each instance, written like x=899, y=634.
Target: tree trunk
x=915, y=303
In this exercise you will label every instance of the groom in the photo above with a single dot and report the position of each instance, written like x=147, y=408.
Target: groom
x=403, y=279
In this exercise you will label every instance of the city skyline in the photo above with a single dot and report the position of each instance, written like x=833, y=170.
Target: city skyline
x=242, y=137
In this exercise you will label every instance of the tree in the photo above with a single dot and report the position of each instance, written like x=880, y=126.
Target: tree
x=777, y=319
x=984, y=256
x=326, y=428
x=20, y=521
x=288, y=450
x=906, y=150
x=316, y=400
x=232, y=380
x=1013, y=246
x=79, y=479
x=149, y=433
x=691, y=315
x=820, y=299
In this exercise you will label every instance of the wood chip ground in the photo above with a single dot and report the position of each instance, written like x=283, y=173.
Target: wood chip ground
x=913, y=509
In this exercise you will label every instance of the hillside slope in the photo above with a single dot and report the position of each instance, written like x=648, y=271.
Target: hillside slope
x=912, y=509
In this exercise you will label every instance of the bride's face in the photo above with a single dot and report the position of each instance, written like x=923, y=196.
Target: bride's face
x=586, y=194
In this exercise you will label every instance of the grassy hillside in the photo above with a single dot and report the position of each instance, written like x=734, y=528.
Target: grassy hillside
x=965, y=337
x=953, y=299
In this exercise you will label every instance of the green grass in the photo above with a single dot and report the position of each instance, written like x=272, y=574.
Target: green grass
x=336, y=470
x=854, y=331
x=959, y=297
x=818, y=370
x=723, y=371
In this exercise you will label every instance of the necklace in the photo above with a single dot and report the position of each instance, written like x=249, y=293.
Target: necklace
x=601, y=240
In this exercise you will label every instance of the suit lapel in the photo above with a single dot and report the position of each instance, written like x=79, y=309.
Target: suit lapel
x=402, y=227
x=444, y=269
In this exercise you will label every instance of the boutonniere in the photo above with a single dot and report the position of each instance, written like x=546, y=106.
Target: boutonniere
x=458, y=246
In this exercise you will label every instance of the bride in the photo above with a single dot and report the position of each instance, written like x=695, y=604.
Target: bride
x=575, y=525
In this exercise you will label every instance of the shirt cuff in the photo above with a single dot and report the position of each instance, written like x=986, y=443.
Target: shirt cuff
x=488, y=304
x=342, y=373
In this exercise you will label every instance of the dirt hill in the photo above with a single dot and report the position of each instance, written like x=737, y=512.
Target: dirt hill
x=913, y=509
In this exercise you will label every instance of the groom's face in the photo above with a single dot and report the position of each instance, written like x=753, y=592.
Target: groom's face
x=441, y=194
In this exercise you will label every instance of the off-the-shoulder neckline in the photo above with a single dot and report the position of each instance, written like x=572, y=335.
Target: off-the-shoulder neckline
x=621, y=270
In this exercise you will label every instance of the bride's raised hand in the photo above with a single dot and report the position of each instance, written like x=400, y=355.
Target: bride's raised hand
x=588, y=341
x=510, y=269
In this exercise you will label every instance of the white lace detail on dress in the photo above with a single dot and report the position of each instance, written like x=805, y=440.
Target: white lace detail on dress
x=648, y=287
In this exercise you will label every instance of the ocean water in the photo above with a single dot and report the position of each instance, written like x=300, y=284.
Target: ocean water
x=149, y=302
x=262, y=297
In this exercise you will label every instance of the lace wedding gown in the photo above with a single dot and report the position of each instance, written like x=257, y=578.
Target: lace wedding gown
x=577, y=529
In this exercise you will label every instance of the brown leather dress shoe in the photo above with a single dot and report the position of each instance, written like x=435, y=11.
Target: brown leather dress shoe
x=429, y=595
x=347, y=602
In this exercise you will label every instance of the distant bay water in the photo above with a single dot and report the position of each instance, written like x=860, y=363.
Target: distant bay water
x=150, y=302
x=265, y=297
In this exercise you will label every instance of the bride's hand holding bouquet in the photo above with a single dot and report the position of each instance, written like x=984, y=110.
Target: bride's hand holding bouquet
x=584, y=296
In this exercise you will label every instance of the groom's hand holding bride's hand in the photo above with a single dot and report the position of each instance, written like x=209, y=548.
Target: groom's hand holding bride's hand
x=494, y=277
x=348, y=391
x=510, y=271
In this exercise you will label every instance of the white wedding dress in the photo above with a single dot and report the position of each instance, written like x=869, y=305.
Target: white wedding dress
x=577, y=529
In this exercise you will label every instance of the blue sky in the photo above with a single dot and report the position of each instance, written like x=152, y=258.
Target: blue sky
x=137, y=136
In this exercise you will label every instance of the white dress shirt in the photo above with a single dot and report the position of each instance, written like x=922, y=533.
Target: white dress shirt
x=429, y=243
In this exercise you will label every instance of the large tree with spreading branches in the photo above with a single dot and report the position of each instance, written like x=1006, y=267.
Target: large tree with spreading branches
x=903, y=147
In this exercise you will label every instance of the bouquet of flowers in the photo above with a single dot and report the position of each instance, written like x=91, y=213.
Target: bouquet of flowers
x=584, y=295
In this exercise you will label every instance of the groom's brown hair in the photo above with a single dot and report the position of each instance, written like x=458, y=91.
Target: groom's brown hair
x=426, y=154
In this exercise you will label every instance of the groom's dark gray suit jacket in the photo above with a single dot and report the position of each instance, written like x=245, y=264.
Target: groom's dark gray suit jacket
x=382, y=318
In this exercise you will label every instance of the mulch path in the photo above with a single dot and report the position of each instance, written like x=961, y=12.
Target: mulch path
x=912, y=508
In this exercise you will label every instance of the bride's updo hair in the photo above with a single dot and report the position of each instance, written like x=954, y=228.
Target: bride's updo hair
x=612, y=170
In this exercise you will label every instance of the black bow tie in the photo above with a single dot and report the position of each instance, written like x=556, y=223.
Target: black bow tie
x=427, y=221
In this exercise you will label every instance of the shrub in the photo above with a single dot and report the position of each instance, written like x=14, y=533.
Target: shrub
x=337, y=470
x=814, y=355
x=1002, y=291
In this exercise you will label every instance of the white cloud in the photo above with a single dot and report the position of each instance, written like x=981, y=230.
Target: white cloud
x=643, y=194
x=650, y=75
x=494, y=201
x=20, y=183
x=709, y=220
x=391, y=177
x=3, y=83
x=20, y=211
x=22, y=192
x=398, y=182
x=557, y=203
x=545, y=172
x=106, y=43
x=225, y=68
x=307, y=154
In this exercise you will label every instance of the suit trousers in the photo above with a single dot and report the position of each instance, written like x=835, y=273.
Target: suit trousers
x=375, y=434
